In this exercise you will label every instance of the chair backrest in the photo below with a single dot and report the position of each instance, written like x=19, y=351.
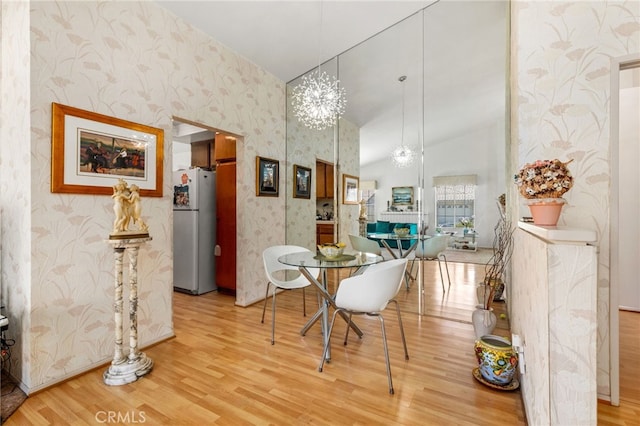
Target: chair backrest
x=365, y=245
x=270, y=259
x=432, y=247
x=372, y=290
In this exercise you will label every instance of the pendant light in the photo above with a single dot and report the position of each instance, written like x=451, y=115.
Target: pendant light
x=403, y=155
x=319, y=100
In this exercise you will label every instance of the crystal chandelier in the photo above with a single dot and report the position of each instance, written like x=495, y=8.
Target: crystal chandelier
x=319, y=100
x=403, y=155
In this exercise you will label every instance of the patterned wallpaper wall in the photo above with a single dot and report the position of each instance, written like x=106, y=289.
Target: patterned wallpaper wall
x=561, y=77
x=15, y=175
x=134, y=61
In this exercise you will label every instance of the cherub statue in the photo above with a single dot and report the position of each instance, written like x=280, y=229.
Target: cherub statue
x=135, y=208
x=127, y=208
x=363, y=209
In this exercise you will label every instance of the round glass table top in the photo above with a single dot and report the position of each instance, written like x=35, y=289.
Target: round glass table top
x=347, y=260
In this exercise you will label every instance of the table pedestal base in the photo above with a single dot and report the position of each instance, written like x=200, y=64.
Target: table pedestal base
x=127, y=371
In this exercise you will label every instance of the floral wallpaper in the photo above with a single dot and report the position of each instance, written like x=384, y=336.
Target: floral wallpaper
x=15, y=178
x=561, y=80
x=134, y=61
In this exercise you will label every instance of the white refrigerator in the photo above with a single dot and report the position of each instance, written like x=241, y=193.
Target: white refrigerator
x=194, y=231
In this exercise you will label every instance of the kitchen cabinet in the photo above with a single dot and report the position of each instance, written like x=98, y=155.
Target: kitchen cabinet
x=225, y=159
x=324, y=233
x=225, y=148
x=324, y=180
x=201, y=154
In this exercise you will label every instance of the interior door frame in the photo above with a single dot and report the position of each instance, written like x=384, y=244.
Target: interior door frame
x=617, y=65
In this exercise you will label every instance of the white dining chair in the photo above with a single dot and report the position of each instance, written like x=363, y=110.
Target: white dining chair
x=433, y=249
x=369, y=294
x=279, y=276
x=365, y=245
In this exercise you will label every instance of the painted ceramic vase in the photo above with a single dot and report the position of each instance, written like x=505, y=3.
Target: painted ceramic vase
x=497, y=360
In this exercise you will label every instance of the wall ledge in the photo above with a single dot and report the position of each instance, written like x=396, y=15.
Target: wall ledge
x=560, y=234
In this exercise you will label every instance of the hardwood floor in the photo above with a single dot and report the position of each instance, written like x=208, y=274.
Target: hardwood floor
x=221, y=369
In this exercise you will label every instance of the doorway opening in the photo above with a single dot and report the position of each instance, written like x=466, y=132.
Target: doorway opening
x=198, y=149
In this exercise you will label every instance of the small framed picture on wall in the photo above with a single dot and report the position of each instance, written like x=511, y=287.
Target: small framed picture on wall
x=349, y=189
x=267, y=175
x=302, y=182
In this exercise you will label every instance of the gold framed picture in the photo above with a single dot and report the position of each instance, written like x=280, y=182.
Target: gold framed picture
x=91, y=151
x=349, y=189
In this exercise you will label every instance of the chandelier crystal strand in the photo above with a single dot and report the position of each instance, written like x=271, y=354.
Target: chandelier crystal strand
x=403, y=155
x=319, y=100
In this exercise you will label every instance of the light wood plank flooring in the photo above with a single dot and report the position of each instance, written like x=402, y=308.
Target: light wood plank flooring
x=221, y=369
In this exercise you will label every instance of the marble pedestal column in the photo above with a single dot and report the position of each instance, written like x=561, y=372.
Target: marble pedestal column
x=362, y=227
x=127, y=369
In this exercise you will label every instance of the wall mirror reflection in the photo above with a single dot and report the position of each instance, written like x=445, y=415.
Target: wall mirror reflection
x=434, y=83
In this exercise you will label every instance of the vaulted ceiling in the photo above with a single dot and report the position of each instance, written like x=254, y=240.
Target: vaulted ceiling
x=289, y=38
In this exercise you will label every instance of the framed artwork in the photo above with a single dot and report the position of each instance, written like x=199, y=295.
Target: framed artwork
x=267, y=175
x=402, y=196
x=302, y=182
x=349, y=189
x=91, y=151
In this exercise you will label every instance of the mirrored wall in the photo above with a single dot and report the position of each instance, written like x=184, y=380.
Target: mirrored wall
x=451, y=110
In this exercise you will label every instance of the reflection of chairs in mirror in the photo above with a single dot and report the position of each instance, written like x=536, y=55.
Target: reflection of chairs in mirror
x=365, y=245
x=433, y=249
x=277, y=276
x=369, y=294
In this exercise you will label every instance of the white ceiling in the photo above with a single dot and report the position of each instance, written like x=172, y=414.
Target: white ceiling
x=286, y=37
x=283, y=37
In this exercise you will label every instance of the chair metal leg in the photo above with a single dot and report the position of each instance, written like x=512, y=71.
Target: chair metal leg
x=446, y=266
x=346, y=334
x=264, y=307
x=304, y=303
x=273, y=317
x=404, y=341
x=441, y=276
x=326, y=346
x=386, y=352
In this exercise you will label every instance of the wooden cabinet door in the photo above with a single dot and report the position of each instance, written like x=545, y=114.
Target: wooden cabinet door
x=321, y=191
x=226, y=225
x=324, y=233
x=225, y=148
x=200, y=154
x=328, y=180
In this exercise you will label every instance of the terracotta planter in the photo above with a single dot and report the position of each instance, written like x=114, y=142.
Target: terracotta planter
x=546, y=212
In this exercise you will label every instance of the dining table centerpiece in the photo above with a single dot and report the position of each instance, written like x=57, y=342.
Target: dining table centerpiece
x=542, y=184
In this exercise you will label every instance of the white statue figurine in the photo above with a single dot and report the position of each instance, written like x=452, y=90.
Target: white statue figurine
x=127, y=208
x=363, y=209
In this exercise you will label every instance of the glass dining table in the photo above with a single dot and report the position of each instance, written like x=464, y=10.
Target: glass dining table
x=305, y=260
x=385, y=238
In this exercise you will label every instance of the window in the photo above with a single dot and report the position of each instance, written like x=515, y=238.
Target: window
x=368, y=194
x=370, y=203
x=455, y=199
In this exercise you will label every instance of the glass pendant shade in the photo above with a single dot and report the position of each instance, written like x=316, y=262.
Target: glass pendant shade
x=403, y=155
x=319, y=100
